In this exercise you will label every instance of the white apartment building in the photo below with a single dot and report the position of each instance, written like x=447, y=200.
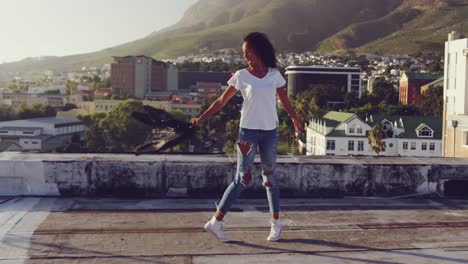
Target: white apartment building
x=455, y=116
x=41, y=134
x=341, y=134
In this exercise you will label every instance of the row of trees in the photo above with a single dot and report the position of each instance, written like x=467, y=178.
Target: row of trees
x=383, y=99
x=36, y=110
x=216, y=65
x=95, y=82
x=116, y=130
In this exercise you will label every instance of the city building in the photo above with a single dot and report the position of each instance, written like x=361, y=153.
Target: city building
x=189, y=108
x=455, y=115
x=206, y=90
x=41, y=134
x=103, y=92
x=188, y=80
x=410, y=86
x=340, y=133
x=172, y=78
x=343, y=80
x=138, y=75
x=15, y=100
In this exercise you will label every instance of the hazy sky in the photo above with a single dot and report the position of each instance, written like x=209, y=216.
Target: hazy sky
x=30, y=28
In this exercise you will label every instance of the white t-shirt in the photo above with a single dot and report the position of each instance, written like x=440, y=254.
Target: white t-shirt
x=259, y=107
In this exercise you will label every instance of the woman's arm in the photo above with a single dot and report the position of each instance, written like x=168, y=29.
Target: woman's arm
x=217, y=105
x=283, y=96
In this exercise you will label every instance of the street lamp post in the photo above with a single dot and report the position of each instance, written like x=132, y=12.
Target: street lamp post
x=454, y=125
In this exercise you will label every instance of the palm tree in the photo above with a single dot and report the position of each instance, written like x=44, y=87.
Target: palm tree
x=376, y=139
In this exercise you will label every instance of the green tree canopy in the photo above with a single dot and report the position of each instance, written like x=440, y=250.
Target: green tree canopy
x=121, y=131
x=116, y=130
x=431, y=103
x=7, y=113
x=309, y=104
x=35, y=111
x=71, y=87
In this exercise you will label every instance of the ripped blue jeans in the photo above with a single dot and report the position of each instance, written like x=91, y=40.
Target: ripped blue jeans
x=249, y=139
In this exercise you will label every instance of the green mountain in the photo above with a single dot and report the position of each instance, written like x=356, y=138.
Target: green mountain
x=377, y=26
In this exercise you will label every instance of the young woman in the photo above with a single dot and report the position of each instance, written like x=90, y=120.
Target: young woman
x=259, y=84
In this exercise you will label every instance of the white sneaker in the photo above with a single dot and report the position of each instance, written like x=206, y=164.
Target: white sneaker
x=275, y=232
x=215, y=227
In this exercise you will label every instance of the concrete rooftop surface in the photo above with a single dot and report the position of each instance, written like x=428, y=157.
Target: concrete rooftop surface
x=40, y=230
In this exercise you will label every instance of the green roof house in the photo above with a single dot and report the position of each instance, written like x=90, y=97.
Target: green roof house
x=340, y=133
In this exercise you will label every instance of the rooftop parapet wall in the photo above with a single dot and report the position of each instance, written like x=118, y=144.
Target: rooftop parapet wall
x=119, y=175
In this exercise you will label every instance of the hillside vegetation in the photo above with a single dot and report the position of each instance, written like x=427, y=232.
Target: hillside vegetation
x=375, y=26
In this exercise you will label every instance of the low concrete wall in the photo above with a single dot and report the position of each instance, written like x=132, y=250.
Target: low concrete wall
x=206, y=175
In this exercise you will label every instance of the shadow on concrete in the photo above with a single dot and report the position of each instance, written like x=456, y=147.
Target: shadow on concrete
x=18, y=242
x=351, y=248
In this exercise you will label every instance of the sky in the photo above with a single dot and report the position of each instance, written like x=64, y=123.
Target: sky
x=32, y=28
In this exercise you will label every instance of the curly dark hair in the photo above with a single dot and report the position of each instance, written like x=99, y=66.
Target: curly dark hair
x=262, y=47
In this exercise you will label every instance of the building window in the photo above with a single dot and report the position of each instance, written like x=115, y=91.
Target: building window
x=425, y=132
x=351, y=145
x=27, y=133
x=330, y=144
x=413, y=145
x=359, y=130
x=386, y=126
x=351, y=130
x=3, y=132
x=432, y=146
x=405, y=145
x=465, y=138
x=424, y=146
x=360, y=145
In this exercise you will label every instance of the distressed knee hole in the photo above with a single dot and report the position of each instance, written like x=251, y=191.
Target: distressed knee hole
x=247, y=177
x=244, y=147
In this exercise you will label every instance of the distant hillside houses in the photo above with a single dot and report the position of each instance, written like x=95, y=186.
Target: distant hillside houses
x=340, y=133
x=40, y=134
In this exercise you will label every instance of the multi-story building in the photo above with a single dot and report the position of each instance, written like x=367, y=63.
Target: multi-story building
x=455, y=115
x=138, y=75
x=410, y=86
x=339, y=133
x=205, y=90
x=41, y=134
x=15, y=100
x=342, y=79
x=188, y=80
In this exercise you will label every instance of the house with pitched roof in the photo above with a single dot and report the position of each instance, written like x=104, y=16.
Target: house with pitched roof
x=340, y=133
